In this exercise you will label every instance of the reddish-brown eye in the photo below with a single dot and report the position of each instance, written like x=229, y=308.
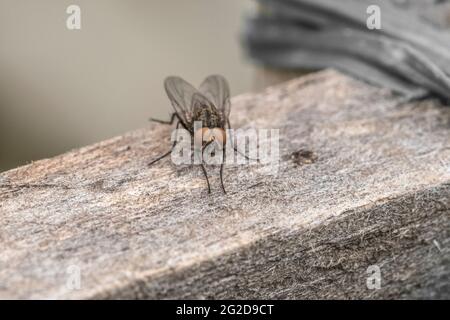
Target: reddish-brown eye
x=206, y=135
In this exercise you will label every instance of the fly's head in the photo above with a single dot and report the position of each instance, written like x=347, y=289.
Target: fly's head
x=205, y=136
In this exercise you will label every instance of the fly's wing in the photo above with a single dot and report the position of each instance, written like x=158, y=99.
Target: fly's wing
x=200, y=101
x=180, y=94
x=216, y=89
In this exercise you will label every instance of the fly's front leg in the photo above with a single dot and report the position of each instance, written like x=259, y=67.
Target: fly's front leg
x=221, y=170
x=203, y=165
x=206, y=176
x=221, y=167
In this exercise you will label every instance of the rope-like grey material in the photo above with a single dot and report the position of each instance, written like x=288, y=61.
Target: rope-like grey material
x=409, y=54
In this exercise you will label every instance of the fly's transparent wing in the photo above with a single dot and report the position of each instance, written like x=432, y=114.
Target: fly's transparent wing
x=180, y=94
x=216, y=89
x=200, y=101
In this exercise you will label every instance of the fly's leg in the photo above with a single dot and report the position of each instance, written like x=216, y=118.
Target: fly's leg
x=203, y=165
x=164, y=155
x=167, y=153
x=221, y=170
x=172, y=119
x=206, y=176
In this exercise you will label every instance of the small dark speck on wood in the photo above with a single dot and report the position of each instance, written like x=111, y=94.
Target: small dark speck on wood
x=303, y=156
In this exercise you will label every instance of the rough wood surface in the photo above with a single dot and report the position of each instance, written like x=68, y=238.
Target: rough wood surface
x=364, y=180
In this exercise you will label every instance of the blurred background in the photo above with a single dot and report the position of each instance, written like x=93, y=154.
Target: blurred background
x=62, y=89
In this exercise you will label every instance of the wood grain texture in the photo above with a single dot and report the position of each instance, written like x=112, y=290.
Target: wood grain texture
x=363, y=180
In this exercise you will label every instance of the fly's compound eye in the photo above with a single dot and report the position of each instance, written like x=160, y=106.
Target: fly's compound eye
x=205, y=136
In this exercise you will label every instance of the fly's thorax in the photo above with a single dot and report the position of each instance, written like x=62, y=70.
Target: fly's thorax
x=208, y=115
x=208, y=135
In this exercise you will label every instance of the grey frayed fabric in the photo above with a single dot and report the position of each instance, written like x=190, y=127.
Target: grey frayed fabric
x=410, y=54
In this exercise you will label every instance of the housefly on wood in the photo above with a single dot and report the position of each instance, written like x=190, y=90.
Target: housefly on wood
x=209, y=105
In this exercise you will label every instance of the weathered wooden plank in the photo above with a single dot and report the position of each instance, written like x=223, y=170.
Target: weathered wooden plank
x=364, y=180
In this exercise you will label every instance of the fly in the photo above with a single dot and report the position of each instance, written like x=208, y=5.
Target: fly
x=210, y=105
